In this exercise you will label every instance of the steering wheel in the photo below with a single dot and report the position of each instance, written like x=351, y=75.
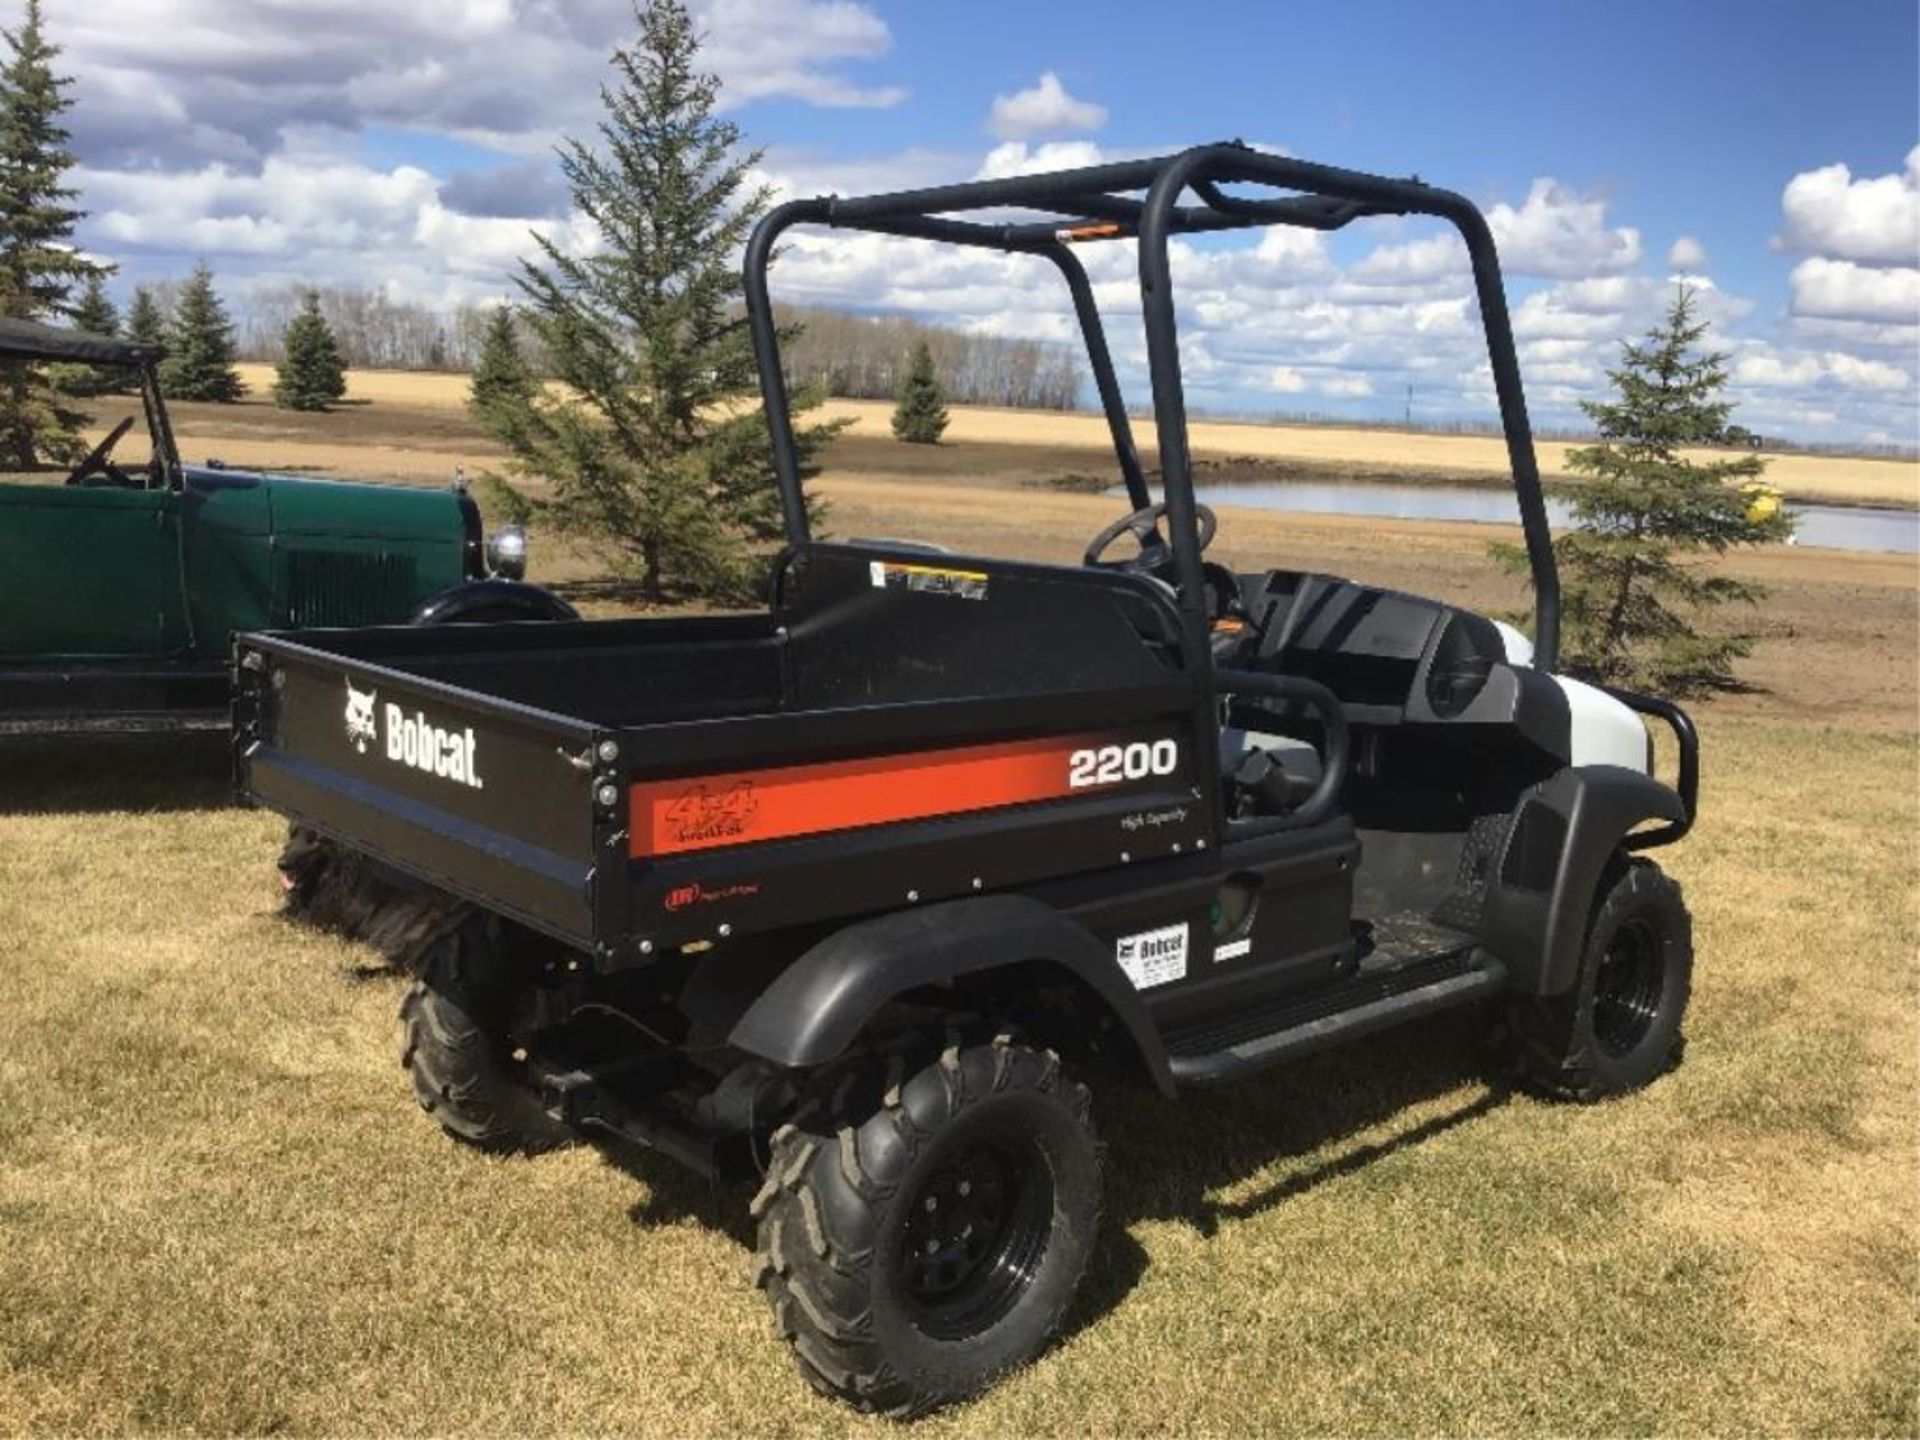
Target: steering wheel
x=1156, y=556
x=97, y=460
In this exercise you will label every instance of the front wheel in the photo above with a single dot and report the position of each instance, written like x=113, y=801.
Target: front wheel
x=1618, y=1027
x=922, y=1231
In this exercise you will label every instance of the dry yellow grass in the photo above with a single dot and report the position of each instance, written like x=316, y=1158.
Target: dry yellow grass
x=1848, y=479
x=223, y=1212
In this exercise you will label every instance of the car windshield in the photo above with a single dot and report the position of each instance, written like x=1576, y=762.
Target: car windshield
x=92, y=401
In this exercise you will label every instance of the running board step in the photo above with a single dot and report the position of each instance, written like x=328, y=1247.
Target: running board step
x=1373, y=1003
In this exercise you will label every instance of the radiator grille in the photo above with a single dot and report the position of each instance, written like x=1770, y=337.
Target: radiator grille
x=332, y=588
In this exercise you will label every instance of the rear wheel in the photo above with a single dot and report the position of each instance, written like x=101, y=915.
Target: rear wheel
x=1619, y=1026
x=922, y=1230
x=455, y=1050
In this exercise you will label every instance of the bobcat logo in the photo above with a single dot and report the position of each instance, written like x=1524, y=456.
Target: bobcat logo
x=362, y=729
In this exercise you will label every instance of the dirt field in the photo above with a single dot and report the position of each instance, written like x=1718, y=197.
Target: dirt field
x=412, y=428
x=221, y=1211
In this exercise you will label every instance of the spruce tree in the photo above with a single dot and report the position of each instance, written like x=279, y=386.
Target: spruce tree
x=652, y=455
x=503, y=382
x=146, y=322
x=38, y=264
x=920, y=414
x=1633, y=595
x=310, y=376
x=199, y=363
x=96, y=315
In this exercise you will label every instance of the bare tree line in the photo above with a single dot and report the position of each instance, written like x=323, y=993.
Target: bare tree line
x=373, y=331
x=864, y=357
x=856, y=356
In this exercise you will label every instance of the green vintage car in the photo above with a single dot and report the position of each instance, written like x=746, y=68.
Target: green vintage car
x=124, y=584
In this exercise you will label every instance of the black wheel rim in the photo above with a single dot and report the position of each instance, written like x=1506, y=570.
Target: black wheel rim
x=975, y=1233
x=1628, y=987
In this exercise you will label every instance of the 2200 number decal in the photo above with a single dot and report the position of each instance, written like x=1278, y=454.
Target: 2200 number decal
x=1110, y=764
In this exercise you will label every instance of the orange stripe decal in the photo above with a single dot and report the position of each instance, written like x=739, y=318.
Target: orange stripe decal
x=670, y=817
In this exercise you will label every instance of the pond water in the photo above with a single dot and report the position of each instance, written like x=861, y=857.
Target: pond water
x=1838, y=527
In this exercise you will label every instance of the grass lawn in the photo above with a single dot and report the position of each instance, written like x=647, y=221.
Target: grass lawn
x=220, y=1210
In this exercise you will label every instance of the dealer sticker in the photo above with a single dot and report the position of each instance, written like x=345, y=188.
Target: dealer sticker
x=1154, y=957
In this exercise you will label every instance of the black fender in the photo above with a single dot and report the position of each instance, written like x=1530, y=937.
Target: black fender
x=1563, y=836
x=489, y=601
x=815, y=1009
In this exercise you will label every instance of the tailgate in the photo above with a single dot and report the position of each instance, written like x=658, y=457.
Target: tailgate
x=482, y=797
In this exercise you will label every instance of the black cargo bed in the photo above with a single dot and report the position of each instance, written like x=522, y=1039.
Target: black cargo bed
x=631, y=785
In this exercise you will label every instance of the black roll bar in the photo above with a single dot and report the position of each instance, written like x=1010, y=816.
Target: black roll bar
x=1094, y=203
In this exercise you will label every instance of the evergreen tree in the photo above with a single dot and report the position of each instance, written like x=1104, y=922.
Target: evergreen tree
x=651, y=455
x=97, y=315
x=920, y=414
x=310, y=376
x=146, y=324
x=1631, y=601
x=503, y=383
x=199, y=363
x=38, y=264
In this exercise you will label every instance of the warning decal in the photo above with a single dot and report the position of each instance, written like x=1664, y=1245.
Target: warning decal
x=929, y=580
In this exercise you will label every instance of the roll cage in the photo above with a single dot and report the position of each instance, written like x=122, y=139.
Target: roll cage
x=1145, y=200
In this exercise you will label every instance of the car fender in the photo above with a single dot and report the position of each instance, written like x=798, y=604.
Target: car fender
x=1562, y=837
x=490, y=601
x=817, y=1006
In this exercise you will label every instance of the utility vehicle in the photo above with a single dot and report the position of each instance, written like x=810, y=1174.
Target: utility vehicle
x=865, y=893
x=127, y=580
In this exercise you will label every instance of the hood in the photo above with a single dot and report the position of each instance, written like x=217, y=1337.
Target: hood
x=344, y=509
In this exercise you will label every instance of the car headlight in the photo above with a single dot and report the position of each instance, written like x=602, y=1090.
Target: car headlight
x=507, y=552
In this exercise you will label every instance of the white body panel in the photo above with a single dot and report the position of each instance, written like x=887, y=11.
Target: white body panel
x=1519, y=648
x=1604, y=732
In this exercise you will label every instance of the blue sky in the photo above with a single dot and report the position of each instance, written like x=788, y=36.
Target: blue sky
x=408, y=147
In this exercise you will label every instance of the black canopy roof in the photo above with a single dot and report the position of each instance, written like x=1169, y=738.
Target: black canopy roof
x=24, y=340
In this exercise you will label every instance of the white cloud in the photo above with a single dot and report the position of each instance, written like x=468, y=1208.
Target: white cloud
x=1046, y=109
x=1874, y=221
x=1016, y=157
x=1286, y=380
x=1556, y=233
x=1856, y=372
x=1772, y=371
x=1416, y=262
x=1768, y=368
x=1559, y=233
x=314, y=218
x=1841, y=290
x=1687, y=254
x=1347, y=386
x=218, y=81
